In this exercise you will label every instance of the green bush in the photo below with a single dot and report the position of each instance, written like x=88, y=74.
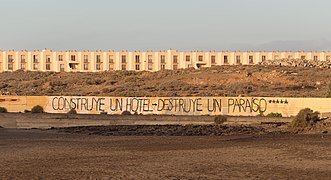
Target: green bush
x=329, y=91
x=126, y=113
x=104, y=112
x=37, y=109
x=72, y=111
x=275, y=115
x=305, y=118
x=220, y=119
x=3, y=110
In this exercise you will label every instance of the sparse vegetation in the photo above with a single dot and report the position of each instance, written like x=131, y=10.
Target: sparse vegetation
x=3, y=110
x=275, y=115
x=214, y=81
x=305, y=118
x=37, y=109
x=220, y=119
x=126, y=113
x=72, y=111
x=104, y=112
x=329, y=91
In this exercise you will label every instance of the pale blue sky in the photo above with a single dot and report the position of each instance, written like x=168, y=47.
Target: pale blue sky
x=163, y=24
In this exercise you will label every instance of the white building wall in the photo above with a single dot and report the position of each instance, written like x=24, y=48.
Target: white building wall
x=182, y=63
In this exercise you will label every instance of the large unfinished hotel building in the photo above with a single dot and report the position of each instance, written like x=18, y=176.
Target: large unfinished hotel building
x=96, y=61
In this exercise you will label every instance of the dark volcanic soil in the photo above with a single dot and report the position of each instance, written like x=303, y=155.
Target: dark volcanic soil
x=165, y=130
x=36, y=154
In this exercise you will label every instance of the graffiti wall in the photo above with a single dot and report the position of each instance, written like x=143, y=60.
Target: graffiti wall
x=235, y=106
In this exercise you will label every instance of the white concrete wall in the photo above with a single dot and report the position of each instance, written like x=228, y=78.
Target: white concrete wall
x=233, y=106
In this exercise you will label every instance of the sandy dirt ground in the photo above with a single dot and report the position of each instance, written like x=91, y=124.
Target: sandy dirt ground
x=50, y=154
x=259, y=81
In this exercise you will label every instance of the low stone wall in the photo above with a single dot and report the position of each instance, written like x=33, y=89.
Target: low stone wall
x=197, y=106
x=45, y=120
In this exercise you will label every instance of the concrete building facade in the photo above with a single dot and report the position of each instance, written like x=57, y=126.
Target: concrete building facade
x=98, y=61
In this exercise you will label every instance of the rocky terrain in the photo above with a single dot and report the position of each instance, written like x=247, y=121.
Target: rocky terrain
x=261, y=80
x=298, y=63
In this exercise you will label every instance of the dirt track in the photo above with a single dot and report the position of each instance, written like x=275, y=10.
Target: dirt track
x=27, y=154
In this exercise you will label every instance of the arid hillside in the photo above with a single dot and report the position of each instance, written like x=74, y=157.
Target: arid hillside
x=215, y=81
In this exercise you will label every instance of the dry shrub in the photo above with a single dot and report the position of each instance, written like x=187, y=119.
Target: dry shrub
x=329, y=91
x=37, y=109
x=274, y=115
x=3, y=110
x=72, y=111
x=103, y=112
x=94, y=81
x=126, y=113
x=220, y=119
x=305, y=118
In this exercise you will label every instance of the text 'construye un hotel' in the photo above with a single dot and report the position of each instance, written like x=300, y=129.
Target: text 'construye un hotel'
x=96, y=61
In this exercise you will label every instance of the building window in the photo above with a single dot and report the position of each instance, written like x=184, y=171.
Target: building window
x=226, y=61
x=123, y=59
x=150, y=66
x=10, y=66
x=200, y=58
x=48, y=58
x=303, y=57
x=48, y=67
x=10, y=58
x=327, y=58
x=289, y=57
x=137, y=59
x=162, y=58
x=150, y=59
x=111, y=59
x=73, y=58
x=98, y=67
x=62, y=67
x=60, y=57
x=175, y=67
x=123, y=66
x=111, y=67
x=85, y=58
x=238, y=59
x=137, y=67
x=276, y=57
x=263, y=58
x=188, y=58
x=35, y=66
x=22, y=66
x=315, y=58
x=213, y=59
x=162, y=66
x=85, y=66
x=35, y=58
x=98, y=57
x=175, y=59
x=22, y=59
x=73, y=66
x=251, y=59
